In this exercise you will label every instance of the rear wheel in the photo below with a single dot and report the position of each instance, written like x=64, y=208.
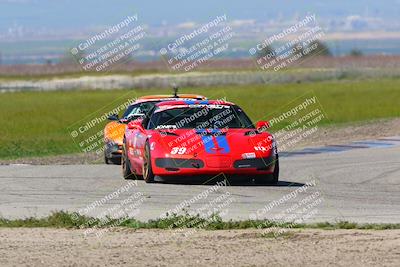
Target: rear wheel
x=148, y=174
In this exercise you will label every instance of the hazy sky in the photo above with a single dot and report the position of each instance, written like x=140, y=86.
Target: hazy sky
x=88, y=13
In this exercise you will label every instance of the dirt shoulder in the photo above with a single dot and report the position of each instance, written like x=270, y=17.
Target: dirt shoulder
x=128, y=247
x=331, y=135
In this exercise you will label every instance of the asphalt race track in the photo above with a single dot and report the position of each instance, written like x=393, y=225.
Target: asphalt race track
x=358, y=185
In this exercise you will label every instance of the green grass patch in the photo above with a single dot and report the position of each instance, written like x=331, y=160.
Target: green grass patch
x=285, y=234
x=134, y=73
x=38, y=123
x=63, y=219
x=74, y=74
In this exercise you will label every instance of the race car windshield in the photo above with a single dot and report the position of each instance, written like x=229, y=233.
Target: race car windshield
x=208, y=116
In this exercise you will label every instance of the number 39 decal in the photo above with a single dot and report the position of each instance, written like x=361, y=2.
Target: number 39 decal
x=178, y=150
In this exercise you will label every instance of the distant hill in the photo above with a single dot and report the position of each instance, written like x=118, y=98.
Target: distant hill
x=78, y=13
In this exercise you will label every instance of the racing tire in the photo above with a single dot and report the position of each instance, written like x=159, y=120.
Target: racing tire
x=271, y=178
x=148, y=174
x=275, y=175
x=126, y=165
x=106, y=160
x=115, y=161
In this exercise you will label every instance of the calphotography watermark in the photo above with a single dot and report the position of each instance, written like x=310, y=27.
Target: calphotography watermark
x=296, y=207
x=294, y=124
x=195, y=48
x=201, y=210
x=91, y=135
x=111, y=210
x=289, y=46
x=112, y=46
x=202, y=125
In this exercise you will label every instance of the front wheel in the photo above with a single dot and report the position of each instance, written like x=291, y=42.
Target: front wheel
x=275, y=175
x=126, y=166
x=271, y=178
x=148, y=174
x=106, y=161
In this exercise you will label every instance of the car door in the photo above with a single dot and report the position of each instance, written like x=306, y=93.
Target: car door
x=138, y=137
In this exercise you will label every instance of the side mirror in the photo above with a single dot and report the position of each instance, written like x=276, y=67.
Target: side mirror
x=113, y=117
x=136, y=125
x=262, y=125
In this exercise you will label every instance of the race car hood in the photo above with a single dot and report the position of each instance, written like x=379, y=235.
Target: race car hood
x=237, y=143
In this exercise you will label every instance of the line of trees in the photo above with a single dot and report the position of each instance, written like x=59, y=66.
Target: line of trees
x=312, y=49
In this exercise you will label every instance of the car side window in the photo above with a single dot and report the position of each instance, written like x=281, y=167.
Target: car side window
x=131, y=110
x=148, y=121
x=145, y=107
x=245, y=121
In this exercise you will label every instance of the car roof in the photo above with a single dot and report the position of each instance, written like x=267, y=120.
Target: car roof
x=161, y=97
x=190, y=103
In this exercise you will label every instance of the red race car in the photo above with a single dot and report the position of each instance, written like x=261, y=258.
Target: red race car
x=191, y=137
